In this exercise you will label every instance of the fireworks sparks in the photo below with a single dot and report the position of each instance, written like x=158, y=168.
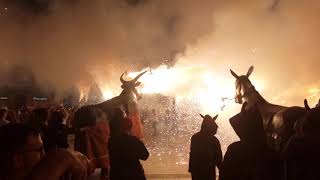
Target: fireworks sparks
x=314, y=92
x=195, y=89
x=196, y=84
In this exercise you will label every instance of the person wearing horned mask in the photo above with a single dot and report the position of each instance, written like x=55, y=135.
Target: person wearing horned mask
x=205, y=151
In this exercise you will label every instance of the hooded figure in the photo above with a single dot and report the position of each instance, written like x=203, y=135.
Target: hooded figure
x=205, y=151
x=126, y=151
x=302, y=153
x=249, y=158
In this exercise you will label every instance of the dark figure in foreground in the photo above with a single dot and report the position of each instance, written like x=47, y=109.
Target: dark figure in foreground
x=205, y=151
x=92, y=134
x=278, y=121
x=250, y=158
x=126, y=151
x=57, y=134
x=303, y=151
x=22, y=157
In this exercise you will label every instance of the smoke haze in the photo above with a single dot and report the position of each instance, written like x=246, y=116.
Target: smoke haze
x=282, y=44
x=65, y=41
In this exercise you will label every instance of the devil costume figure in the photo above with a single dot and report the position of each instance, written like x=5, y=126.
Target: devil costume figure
x=205, y=151
x=127, y=100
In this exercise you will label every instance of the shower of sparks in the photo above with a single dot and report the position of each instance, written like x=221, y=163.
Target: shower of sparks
x=197, y=84
x=195, y=89
x=314, y=93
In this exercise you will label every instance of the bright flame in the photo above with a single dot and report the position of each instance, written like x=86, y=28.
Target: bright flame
x=197, y=84
x=107, y=92
x=314, y=92
x=84, y=92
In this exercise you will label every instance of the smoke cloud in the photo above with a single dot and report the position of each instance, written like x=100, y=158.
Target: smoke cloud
x=280, y=38
x=66, y=41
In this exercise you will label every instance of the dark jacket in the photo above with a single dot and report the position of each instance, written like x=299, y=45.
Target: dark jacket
x=125, y=152
x=303, y=158
x=205, y=156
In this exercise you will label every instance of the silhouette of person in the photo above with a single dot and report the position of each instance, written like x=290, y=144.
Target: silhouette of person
x=249, y=158
x=125, y=152
x=205, y=151
x=303, y=151
x=22, y=157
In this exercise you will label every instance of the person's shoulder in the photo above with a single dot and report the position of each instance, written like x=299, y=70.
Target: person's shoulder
x=234, y=146
x=196, y=135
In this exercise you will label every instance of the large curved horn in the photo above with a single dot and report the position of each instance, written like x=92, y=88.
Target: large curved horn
x=121, y=79
x=234, y=74
x=137, y=77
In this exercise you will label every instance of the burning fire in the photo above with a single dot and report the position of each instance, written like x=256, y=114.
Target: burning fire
x=84, y=91
x=196, y=84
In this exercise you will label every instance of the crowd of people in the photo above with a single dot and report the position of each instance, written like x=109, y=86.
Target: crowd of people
x=35, y=144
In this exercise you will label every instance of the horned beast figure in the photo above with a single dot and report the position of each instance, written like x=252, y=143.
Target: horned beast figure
x=127, y=100
x=279, y=122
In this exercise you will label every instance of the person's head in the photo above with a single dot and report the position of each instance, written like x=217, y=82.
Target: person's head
x=56, y=119
x=209, y=126
x=40, y=115
x=248, y=125
x=3, y=113
x=21, y=149
x=84, y=116
x=117, y=116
